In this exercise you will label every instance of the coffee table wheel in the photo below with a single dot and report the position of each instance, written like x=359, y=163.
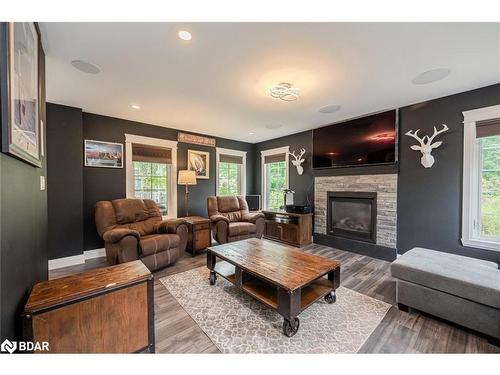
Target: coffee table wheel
x=331, y=297
x=213, y=277
x=289, y=328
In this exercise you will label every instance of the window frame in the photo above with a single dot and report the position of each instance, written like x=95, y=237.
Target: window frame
x=243, y=173
x=129, y=168
x=270, y=152
x=471, y=208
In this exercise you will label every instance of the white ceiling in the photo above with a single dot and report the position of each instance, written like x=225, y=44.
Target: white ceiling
x=218, y=82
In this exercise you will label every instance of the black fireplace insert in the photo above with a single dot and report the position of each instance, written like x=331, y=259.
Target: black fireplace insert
x=352, y=215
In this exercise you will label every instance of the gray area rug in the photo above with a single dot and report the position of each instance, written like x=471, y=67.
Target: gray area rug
x=237, y=323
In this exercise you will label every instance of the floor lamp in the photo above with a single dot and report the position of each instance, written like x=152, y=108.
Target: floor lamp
x=187, y=178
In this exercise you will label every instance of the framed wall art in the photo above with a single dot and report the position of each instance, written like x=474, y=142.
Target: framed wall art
x=21, y=128
x=103, y=154
x=199, y=161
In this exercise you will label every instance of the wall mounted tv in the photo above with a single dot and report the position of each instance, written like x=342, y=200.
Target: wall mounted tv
x=366, y=140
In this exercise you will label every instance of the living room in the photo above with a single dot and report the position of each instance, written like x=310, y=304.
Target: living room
x=250, y=187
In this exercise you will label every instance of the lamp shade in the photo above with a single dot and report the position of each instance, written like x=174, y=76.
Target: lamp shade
x=187, y=178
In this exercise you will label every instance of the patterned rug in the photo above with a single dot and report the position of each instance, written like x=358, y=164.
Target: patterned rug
x=237, y=323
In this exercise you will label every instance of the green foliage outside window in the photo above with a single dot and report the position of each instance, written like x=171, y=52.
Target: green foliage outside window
x=275, y=183
x=229, y=178
x=490, y=186
x=151, y=182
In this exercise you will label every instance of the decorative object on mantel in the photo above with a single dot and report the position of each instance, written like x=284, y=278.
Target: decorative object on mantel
x=298, y=160
x=195, y=139
x=426, y=145
x=187, y=178
x=20, y=92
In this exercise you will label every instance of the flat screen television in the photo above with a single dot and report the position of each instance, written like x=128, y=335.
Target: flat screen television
x=366, y=140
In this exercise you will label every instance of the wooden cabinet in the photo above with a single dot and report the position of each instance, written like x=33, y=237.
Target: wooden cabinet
x=294, y=229
x=107, y=310
x=199, y=236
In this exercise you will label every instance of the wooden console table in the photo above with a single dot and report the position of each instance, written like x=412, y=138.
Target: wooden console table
x=290, y=228
x=106, y=310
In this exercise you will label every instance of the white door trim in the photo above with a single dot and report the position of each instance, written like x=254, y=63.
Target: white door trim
x=227, y=151
x=263, y=154
x=129, y=169
x=470, y=192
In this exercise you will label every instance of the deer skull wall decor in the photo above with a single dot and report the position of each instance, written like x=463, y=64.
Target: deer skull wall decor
x=298, y=161
x=426, y=145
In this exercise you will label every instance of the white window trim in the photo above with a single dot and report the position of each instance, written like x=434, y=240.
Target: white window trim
x=263, y=154
x=470, y=193
x=129, y=167
x=227, y=151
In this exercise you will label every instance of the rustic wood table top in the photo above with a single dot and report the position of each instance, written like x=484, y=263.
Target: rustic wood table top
x=278, y=264
x=69, y=288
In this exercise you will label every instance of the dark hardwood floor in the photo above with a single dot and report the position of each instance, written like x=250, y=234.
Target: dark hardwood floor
x=399, y=332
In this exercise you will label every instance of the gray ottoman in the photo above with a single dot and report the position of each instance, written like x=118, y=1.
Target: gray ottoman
x=459, y=289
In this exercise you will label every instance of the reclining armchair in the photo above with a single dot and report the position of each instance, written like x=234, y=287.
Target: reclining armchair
x=231, y=220
x=133, y=229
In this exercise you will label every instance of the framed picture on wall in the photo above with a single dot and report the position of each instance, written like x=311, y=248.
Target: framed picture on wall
x=199, y=161
x=21, y=130
x=103, y=154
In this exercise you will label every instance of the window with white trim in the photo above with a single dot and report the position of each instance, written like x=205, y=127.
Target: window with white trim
x=231, y=172
x=151, y=167
x=481, y=190
x=274, y=177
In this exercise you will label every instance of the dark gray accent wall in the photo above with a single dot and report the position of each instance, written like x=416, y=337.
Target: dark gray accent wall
x=430, y=199
x=23, y=220
x=65, y=176
x=70, y=125
x=302, y=185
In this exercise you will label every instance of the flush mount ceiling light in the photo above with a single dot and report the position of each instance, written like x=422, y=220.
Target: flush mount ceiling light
x=284, y=91
x=184, y=35
x=431, y=76
x=135, y=106
x=85, y=67
x=330, y=109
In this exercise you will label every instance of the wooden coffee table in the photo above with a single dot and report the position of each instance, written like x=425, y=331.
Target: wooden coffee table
x=283, y=278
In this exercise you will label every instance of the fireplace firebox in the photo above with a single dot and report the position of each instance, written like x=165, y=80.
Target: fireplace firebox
x=352, y=215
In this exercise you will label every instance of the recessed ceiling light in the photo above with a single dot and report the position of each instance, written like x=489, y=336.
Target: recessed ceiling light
x=251, y=133
x=184, y=35
x=135, y=106
x=330, y=108
x=85, y=67
x=430, y=76
x=273, y=126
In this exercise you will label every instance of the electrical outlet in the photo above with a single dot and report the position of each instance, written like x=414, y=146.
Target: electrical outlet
x=42, y=182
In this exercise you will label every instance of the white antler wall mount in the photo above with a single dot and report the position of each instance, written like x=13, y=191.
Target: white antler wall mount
x=298, y=160
x=426, y=145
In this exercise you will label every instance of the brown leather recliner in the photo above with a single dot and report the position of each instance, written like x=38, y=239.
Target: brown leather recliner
x=231, y=220
x=133, y=229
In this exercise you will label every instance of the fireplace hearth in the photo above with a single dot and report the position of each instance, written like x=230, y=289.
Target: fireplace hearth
x=352, y=215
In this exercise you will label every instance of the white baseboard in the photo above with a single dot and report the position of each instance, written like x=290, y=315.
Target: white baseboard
x=66, y=262
x=76, y=259
x=96, y=253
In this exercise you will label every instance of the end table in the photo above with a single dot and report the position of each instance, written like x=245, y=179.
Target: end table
x=199, y=236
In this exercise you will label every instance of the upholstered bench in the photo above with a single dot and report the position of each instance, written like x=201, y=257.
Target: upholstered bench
x=459, y=289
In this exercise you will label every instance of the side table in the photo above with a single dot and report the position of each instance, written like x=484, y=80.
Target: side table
x=199, y=236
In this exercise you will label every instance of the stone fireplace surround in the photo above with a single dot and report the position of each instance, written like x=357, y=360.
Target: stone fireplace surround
x=385, y=185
